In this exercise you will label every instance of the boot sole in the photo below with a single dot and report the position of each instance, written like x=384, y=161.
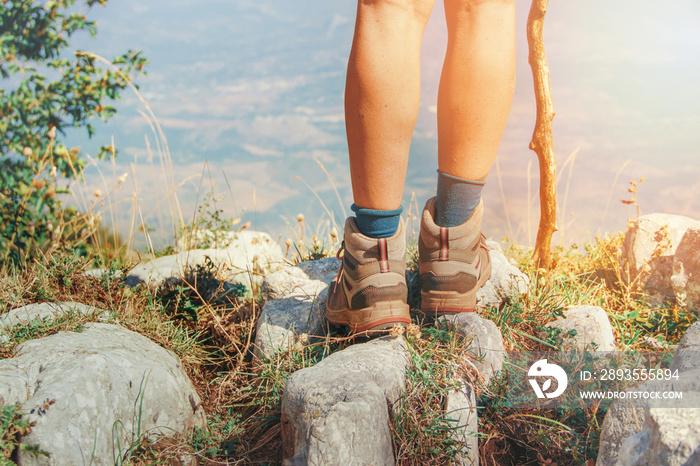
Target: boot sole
x=379, y=318
x=440, y=303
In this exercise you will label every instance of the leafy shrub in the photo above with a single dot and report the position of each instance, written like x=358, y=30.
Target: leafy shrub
x=48, y=89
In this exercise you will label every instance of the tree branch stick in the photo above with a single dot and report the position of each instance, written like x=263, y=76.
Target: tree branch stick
x=542, y=140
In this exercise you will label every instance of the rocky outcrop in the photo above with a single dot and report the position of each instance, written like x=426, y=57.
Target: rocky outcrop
x=248, y=258
x=584, y=328
x=296, y=305
x=93, y=393
x=648, y=252
x=336, y=412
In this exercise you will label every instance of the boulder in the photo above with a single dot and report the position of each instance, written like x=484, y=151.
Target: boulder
x=584, y=328
x=506, y=282
x=337, y=412
x=93, y=393
x=648, y=250
x=685, y=280
x=246, y=260
x=296, y=305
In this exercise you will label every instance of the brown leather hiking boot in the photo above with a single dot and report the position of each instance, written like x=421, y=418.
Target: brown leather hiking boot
x=454, y=263
x=369, y=293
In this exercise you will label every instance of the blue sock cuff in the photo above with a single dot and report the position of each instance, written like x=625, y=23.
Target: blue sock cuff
x=377, y=223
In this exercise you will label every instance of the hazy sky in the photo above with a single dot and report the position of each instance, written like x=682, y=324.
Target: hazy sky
x=255, y=88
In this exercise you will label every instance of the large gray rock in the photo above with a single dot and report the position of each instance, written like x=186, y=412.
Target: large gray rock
x=247, y=260
x=648, y=250
x=685, y=280
x=296, y=304
x=624, y=418
x=506, y=282
x=642, y=431
x=670, y=437
x=687, y=355
x=486, y=346
x=336, y=412
x=584, y=328
x=631, y=429
x=108, y=385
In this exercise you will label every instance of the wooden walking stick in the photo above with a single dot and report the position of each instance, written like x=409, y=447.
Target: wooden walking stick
x=542, y=140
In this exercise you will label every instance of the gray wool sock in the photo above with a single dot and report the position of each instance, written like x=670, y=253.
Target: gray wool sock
x=457, y=198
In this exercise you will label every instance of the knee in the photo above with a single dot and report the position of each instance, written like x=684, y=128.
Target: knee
x=416, y=9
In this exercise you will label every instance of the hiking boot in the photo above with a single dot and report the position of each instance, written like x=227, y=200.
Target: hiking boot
x=369, y=293
x=454, y=263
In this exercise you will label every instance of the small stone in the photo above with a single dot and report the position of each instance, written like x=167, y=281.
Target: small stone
x=506, y=282
x=486, y=342
x=284, y=319
x=99, y=273
x=461, y=408
x=283, y=283
x=584, y=328
x=48, y=311
x=296, y=304
x=494, y=245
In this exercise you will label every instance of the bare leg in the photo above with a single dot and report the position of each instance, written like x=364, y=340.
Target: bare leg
x=382, y=97
x=477, y=84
